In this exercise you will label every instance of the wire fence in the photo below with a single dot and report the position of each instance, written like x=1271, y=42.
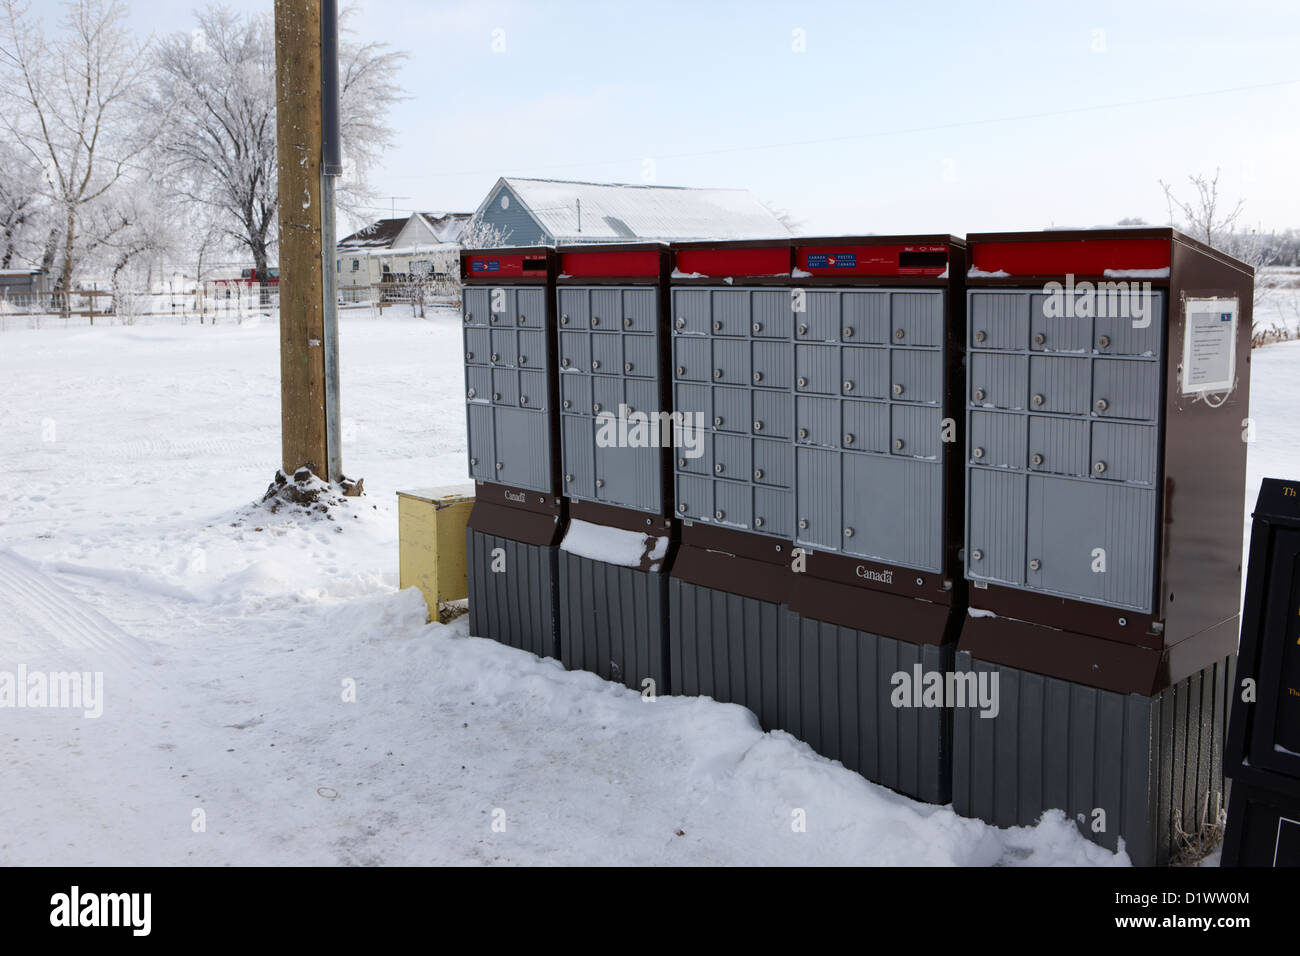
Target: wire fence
x=215, y=304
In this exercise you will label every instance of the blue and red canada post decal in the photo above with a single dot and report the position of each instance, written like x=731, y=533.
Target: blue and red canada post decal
x=832, y=260
x=485, y=265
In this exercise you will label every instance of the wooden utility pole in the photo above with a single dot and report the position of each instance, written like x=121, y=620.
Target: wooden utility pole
x=302, y=316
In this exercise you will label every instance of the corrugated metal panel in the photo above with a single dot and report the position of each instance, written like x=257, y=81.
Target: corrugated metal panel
x=866, y=373
x=1124, y=452
x=613, y=621
x=772, y=314
x=998, y=381
x=730, y=312
x=726, y=647
x=629, y=477
x=1126, y=334
x=995, y=520
x=1058, y=384
x=773, y=414
x=617, y=211
x=1130, y=388
x=999, y=320
x=1058, y=446
x=820, y=322
x=774, y=511
x=866, y=318
x=817, y=477
x=817, y=369
x=867, y=425
x=516, y=606
x=917, y=375
x=1152, y=765
x=1051, y=334
x=918, y=316
x=817, y=421
x=836, y=687
x=997, y=439
x=1092, y=540
x=890, y=510
x=916, y=431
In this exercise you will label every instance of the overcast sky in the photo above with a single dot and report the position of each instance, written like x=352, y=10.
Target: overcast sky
x=856, y=117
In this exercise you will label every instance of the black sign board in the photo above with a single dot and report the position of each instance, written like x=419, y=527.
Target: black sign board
x=1264, y=730
x=1263, y=828
x=1263, y=747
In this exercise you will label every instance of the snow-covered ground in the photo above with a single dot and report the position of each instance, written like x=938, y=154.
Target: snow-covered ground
x=229, y=637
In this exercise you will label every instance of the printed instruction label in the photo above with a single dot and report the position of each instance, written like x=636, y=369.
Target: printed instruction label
x=1209, y=345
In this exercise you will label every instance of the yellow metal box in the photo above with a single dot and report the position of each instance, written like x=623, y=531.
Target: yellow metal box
x=431, y=542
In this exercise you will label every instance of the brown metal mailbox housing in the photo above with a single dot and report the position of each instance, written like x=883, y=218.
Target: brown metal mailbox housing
x=1089, y=414
x=1108, y=383
x=511, y=396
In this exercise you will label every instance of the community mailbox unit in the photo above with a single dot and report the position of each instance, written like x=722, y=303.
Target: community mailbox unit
x=733, y=378
x=878, y=391
x=616, y=440
x=1263, y=750
x=820, y=550
x=1108, y=377
x=513, y=435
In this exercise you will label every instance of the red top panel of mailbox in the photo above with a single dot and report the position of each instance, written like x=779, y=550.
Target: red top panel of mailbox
x=724, y=260
x=611, y=262
x=993, y=256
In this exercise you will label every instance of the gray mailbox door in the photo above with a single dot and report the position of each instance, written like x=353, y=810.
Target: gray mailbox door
x=507, y=386
x=1062, y=426
x=613, y=434
x=840, y=394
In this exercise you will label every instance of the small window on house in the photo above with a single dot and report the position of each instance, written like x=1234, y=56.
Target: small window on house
x=421, y=267
x=356, y=265
x=387, y=269
x=505, y=201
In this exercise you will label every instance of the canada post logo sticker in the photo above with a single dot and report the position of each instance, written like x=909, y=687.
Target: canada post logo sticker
x=485, y=265
x=832, y=260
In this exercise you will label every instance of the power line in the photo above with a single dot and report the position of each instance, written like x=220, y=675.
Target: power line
x=958, y=124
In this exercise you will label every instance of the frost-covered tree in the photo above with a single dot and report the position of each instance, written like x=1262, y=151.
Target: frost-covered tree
x=368, y=89
x=477, y=234
x=21, y=210
x=221, y=149
x=1208, y=216
x=71, y=102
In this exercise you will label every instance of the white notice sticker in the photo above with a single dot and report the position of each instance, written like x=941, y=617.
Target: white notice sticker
x=1209, y=345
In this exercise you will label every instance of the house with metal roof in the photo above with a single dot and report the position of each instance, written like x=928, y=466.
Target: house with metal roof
x=389, y=251
x=530, y=212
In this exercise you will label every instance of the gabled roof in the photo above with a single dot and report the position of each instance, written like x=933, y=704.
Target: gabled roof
x=621, y=211
x=377, y=235
x=446, y=226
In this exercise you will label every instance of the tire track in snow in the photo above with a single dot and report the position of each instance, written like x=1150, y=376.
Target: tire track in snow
x=40, y=617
